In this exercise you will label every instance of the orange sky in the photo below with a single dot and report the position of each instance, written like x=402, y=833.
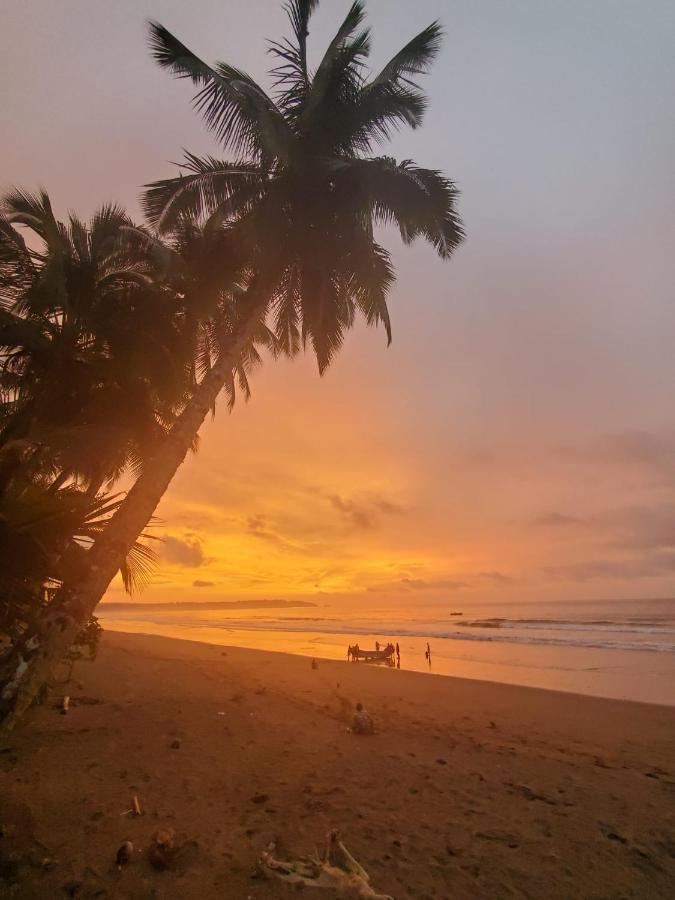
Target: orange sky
x=518, y=438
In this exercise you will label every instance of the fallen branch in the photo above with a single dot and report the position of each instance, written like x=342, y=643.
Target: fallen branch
x=336, y=870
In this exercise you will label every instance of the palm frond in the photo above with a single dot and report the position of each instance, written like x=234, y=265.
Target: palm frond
x=210, y=184
x=421, y=202
x=32, y=210
x=339, y=76
x=370, y=279
x=413, y=59
x=299, y=12
x=287, y=312
x=291, y=77
x=391, y=99
x=323, y=314
x=138, y=567
x=234, y=107
x=351, y=22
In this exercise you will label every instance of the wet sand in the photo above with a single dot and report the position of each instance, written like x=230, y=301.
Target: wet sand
x=469, y=789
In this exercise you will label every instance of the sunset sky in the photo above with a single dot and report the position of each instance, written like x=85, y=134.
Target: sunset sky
x=517, y=440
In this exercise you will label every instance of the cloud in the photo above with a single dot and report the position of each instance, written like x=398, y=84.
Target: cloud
x=186, y=553
x=646, y=566
x=417, y=584
x=258, y=527
x=557, y=520
x=421, y=584
x=498, y=579
x=202, y=584
x=656, y=451
x=645, y=527
x=651, y=453
x=365, y=512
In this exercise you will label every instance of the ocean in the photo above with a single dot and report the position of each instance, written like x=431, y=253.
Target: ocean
x=622, y=649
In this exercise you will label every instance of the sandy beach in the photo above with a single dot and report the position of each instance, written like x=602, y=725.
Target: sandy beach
x=469, y=789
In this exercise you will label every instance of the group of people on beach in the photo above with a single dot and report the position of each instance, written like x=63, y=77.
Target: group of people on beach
x=354, y=652
x=387, y=653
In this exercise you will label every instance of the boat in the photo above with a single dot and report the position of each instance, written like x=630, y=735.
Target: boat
x=386, y=654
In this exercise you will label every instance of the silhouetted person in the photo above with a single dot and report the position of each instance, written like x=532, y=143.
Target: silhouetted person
x=355, y=652
x=398, y=652
x=377, y=646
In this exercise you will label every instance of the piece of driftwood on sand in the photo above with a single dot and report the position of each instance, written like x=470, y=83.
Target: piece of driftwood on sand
x=336, y=869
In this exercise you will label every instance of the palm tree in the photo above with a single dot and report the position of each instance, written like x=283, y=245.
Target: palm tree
x=88, y=343
x=43, y=535
x=304, y=197
x=69, y=357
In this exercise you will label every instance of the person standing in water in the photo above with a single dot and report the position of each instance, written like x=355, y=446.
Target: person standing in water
x=428, y=654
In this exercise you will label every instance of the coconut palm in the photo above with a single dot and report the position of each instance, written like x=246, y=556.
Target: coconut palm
x=44, y=531
x=89, y=347
x=304, y=195
x=200, y=263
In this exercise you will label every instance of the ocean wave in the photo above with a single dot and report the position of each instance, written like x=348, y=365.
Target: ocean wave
x=493, y=634
x=603, y=625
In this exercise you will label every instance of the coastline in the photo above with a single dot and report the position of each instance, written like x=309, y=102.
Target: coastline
x=469, y=789
x=612, y=674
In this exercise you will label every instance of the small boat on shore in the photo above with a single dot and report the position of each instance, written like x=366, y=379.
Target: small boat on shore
x=385, y=654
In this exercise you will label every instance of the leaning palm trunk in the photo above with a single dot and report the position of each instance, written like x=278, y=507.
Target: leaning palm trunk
x=29, y=664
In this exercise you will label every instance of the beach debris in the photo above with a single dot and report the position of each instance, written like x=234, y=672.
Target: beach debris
x=175, y=745
x=124, y=854
x=65, y=705
x=165, y=852
x=164, y=837
x=260, y=798
x=441, y=762
x=612, y=833
x=162, y=849
x=84, y=701
x=362, y=721
x=336, y=869
x=135, y=808
x=221, y=712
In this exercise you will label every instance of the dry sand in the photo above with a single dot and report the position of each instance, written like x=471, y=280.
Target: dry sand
x=469, y=790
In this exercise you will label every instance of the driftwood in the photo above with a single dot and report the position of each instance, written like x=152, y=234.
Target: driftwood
x=136, y=806
x=335, y=869
x=124, y=854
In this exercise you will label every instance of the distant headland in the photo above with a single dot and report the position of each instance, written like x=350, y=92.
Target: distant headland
x=200, y=604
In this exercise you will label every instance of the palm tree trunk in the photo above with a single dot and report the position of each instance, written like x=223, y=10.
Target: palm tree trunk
x=29, y=664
